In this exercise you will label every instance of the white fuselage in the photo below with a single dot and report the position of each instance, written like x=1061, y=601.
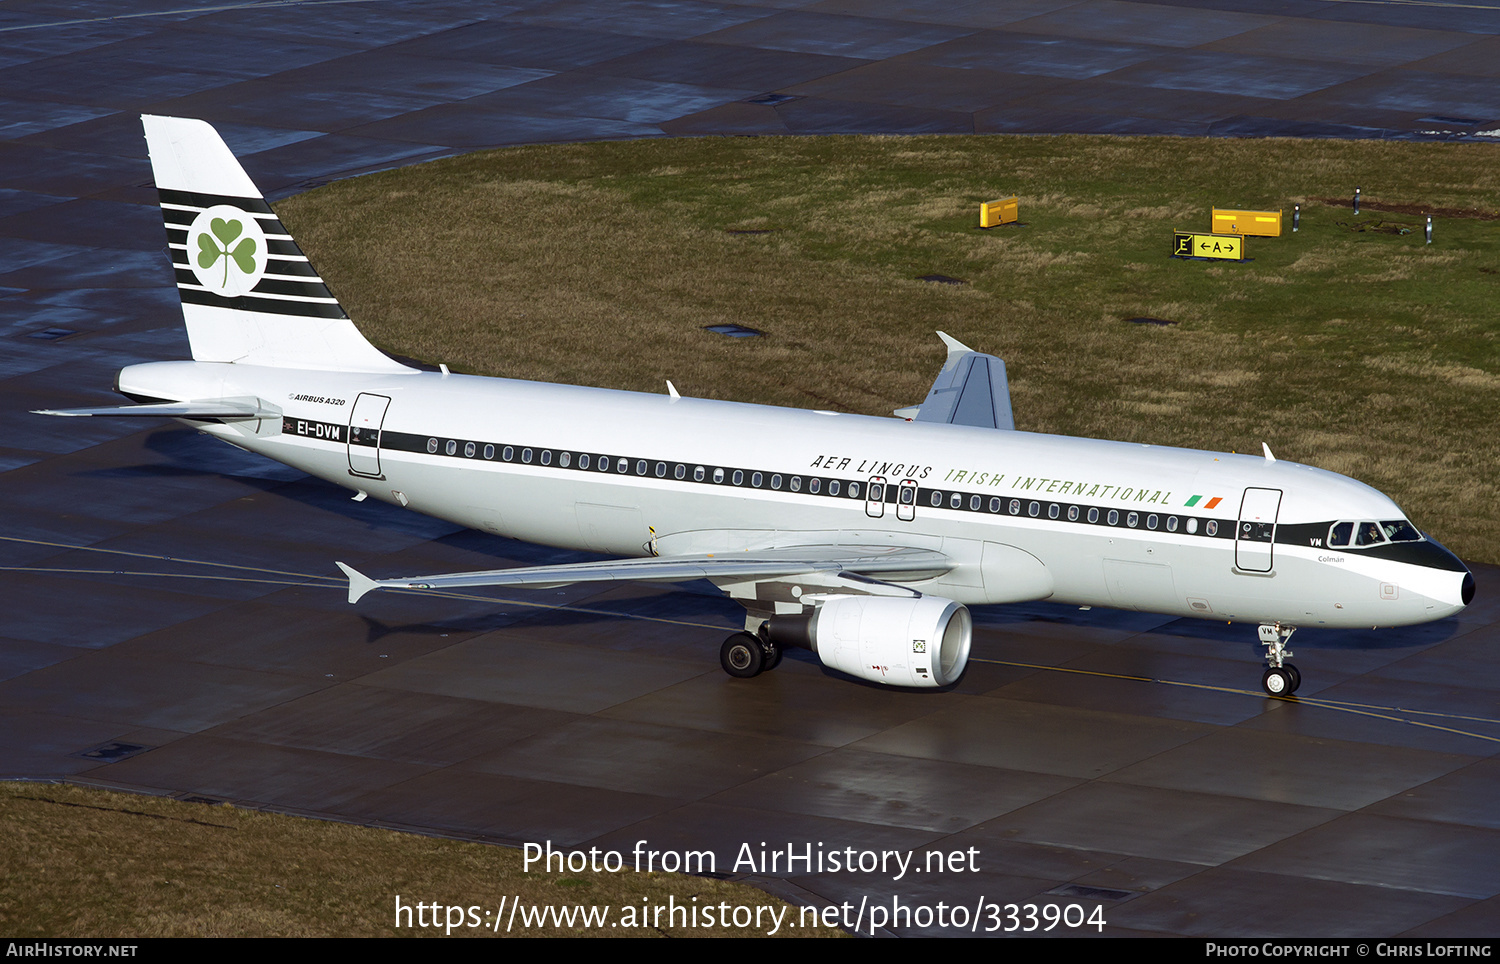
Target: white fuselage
x=997, y=503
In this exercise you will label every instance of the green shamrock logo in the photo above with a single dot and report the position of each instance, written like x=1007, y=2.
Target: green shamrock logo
x=215, y=244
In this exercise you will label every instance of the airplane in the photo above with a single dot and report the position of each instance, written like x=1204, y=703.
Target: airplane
x=863, y=539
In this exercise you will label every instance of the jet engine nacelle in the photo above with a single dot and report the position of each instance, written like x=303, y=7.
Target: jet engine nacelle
x=898, y=641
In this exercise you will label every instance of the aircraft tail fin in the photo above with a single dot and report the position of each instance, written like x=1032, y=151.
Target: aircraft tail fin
x=249, y=294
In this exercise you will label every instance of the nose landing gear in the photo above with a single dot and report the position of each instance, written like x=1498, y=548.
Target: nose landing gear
x=1280, y=678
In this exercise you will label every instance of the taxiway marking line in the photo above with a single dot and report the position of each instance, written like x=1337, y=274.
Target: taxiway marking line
x=1359, y=709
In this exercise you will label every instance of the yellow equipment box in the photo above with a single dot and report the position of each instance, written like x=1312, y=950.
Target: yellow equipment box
x=1003, y=211
x=1266, y=224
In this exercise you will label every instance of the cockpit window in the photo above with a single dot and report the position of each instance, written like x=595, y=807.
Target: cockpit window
x=1399, y=530
x=1368, y=533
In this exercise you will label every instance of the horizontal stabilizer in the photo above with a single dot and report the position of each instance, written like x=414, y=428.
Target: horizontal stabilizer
x=765, y=564
x=224, y=410
x=970, y=390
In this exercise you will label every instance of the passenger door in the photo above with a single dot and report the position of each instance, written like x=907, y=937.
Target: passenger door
x=1255, y=537
x=365, y=423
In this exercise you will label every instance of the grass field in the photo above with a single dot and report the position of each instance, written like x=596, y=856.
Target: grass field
x=1350, y=345
x=79, y=862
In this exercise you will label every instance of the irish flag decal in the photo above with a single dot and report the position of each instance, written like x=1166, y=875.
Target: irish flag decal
x=1207, y=505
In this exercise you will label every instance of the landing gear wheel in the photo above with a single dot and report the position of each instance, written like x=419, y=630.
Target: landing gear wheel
x=742, y=656
x=1276, y=681
x=773, y=654
x=1280, y=678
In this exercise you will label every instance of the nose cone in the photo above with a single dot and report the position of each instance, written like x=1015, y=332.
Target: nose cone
x=1458, y=586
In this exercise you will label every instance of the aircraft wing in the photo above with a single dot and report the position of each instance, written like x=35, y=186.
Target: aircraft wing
x=855, y=561
x=970, y=390
x=223, y=409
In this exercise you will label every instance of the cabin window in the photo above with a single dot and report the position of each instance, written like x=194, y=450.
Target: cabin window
x=956, y=500
x=699, y=474
x=1171, y=523
x=508, y=453
x=833, y=488
x=1034, y=509
x=1054, y=510
x=546, y=456
x=469, y=450
x=738, y=478
x=908, y=495
x=526, y=456
x=1133, y=520
x=1113, y=517
x=775, y=481
x=603, y=463
x=679, y=472
x=853, y=490
x=813, y=485
x=489, y=452
x=451, y=447
x=937, y=498
x=1212, y=528
x=995, y=504
x=1015, y=506
x=757, y=479
x=1151, y=521
x=1192, y=526
x=1093, y=515
x=640, y=467
x=661, y=470
x=565, y=459
x=974, y=502
x=718, y=476
x=1072, y=513
x=583, y=461
x=623, y=465
x=432, y=446
x=796, y=483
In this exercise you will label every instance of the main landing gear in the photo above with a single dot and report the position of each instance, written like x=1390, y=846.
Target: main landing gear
x=1280, y=678
x=744, y=655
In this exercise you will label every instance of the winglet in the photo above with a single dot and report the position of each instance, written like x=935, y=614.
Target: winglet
x=954, y=345
x=359, y=583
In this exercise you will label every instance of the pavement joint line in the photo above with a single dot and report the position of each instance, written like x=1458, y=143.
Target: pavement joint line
x=181, y=10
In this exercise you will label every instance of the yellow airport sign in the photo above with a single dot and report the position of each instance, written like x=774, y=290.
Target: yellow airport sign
x=1266, y=224
x=1226, y=247
x=1003, y=211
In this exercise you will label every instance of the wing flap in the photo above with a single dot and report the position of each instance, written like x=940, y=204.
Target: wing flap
x=860, y=560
